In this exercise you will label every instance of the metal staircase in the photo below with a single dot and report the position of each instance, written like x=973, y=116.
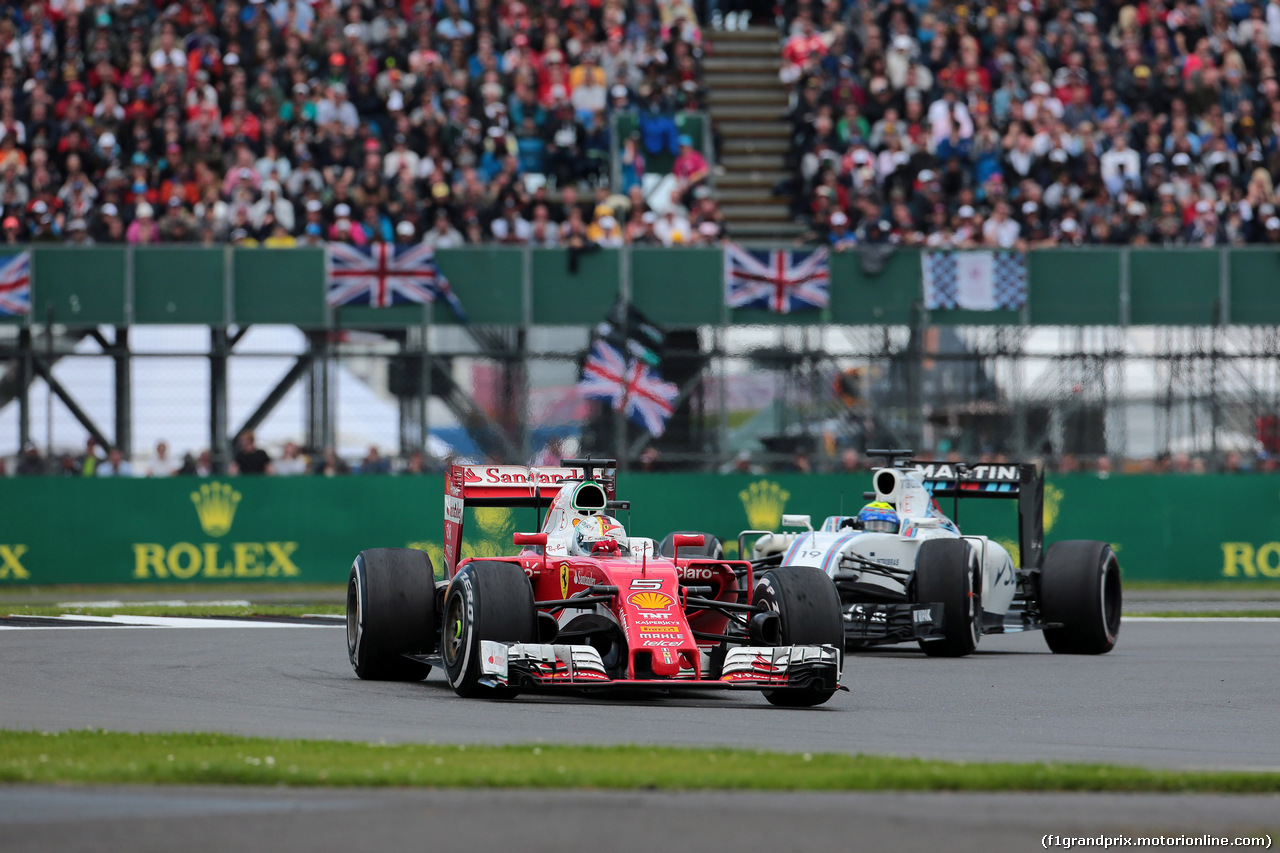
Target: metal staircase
x=748, y=104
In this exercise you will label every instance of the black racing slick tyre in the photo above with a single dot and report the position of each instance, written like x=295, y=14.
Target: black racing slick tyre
x=390, y=613
x=486, y=600
x=947, y=571
x=710, y=547
x=1080, y=591
x=809, y=614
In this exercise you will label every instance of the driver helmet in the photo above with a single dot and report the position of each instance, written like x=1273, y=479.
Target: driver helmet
x=598, y=534
x=879, y=517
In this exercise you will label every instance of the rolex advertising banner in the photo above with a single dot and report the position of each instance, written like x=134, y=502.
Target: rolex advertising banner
x=307, y=530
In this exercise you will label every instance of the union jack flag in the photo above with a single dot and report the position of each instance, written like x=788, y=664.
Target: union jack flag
x=15, y=285
x=383, y=274
x=780, y=281
x=630, y=386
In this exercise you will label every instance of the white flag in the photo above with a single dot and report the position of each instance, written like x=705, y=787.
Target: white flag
x=975, y=281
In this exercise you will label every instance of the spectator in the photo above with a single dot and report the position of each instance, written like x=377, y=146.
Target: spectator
x=143, y=229
x=291, y=461
x=30, y=463
x=161, y=465
x=249, y=458
x=672, y=229
x=115, y=465
x=374, y=462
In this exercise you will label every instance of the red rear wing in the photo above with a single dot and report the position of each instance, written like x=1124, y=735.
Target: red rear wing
x=506, y=486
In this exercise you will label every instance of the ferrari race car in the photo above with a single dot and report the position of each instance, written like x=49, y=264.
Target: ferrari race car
x=904, y=571
x=586, y=606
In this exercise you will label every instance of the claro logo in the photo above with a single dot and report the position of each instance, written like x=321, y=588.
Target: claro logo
x=215, y=508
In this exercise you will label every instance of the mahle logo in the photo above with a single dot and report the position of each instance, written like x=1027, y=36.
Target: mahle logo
x=764, y=502
x=216, y=507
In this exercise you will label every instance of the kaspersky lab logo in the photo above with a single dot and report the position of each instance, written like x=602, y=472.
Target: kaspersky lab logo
x=764, y=502
x=215, y=508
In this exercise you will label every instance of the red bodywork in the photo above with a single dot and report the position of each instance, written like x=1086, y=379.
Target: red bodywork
x=651, y=602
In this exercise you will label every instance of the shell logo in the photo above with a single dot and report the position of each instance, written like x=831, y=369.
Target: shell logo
x=651, y=600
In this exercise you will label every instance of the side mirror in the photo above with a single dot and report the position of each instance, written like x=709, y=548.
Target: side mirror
x=530, y=539
x=797, y=521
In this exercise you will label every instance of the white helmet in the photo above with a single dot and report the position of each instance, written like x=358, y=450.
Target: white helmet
x=598, y=535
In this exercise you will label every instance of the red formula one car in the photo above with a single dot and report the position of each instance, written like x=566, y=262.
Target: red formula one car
x=585, y=606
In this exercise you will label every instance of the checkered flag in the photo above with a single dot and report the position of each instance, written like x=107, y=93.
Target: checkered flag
x=1011, y=280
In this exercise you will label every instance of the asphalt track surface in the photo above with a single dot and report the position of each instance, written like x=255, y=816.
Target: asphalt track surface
x=1181, y=694
x=205, y=820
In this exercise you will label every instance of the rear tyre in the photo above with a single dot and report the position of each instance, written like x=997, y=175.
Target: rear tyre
x=390, y=613
x=808, y=609
x=486, y=600
x=710, y=547
x=1080, y=589
x=947, y=572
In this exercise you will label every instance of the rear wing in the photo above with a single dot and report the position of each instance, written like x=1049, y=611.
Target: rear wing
x=1022, y=482
x=512, y=486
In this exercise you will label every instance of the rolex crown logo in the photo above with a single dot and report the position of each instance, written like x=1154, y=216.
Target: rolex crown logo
x=216, y=507
x=764, y=502
x=1052, y=502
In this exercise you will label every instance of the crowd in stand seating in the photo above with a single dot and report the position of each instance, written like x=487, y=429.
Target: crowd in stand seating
x=280, y=122
x=1035, y=123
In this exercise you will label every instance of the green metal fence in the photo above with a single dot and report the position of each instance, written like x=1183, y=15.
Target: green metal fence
x=184, y=530
x=221, y=286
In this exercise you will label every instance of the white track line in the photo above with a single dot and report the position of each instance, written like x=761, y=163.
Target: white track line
x=151, y=622
x=1194, y=619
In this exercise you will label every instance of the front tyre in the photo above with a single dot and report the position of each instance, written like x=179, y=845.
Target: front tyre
x=947, y=571
x=808, y=609
x=486, y=600
x=710, y=548
x=1080, y=590
x=390, y=613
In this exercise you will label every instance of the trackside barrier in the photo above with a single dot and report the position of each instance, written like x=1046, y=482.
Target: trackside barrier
x=123, y=285
x=308, y=529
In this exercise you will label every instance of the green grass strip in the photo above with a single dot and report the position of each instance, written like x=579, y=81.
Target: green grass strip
x=98, y=757
x=195, y=609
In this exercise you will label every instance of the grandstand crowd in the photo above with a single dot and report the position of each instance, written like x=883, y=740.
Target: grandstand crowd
x=1032, y=123
x=279, y=122
x=292, y=460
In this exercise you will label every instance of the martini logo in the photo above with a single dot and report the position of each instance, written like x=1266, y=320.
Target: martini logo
x=216, y=504
x=764, y=502
x=216, y=507
x=651, y=600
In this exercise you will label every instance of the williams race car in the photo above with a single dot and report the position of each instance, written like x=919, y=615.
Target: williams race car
x=585, y=606
x=904, y=571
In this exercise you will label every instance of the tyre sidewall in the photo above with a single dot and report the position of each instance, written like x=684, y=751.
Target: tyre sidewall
x=390, y=612
x=463, y=668
x=1074, y=593
x=947, y=572
x=809, y=614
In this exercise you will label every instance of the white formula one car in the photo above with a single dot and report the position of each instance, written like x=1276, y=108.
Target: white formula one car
x=905, y=572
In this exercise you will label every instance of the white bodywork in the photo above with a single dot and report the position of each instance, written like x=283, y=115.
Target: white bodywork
x=828, y=547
